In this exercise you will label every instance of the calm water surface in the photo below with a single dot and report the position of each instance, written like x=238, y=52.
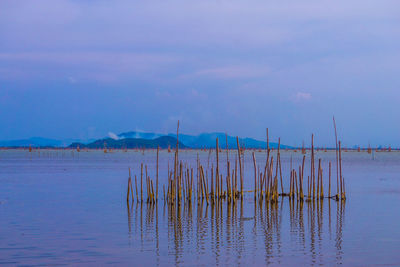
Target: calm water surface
x=68, y=208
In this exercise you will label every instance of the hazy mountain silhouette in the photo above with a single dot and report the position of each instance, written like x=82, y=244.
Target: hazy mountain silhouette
x=206, y=140
x=162, y=142
x=136, y=139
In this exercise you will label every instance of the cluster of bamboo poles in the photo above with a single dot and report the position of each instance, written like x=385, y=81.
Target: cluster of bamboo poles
x=181, y=181
x=152, y=195
x=267, y=182
x=181, y=187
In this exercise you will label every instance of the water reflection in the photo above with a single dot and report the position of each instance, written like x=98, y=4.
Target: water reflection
x=224, y=232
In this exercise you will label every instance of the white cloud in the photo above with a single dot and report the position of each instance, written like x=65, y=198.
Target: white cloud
x=113, y=136
x=301, y=97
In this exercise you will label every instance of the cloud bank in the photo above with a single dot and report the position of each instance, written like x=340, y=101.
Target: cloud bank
x=236, y=66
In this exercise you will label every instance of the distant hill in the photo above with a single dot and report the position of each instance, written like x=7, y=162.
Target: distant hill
x=206, y=140
x=141, y=139
x=38, y=142
x=141, y=135
x=34, y=141
x=162, y=142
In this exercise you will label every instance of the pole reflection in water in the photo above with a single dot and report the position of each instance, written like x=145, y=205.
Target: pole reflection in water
x=240, y=232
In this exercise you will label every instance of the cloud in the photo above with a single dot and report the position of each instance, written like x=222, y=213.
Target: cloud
x=301, y=97
x=123, y=60
x=232, y=72
x=213, y=64
x=113, y=136
x=156, y=40
x=93, y=66
x=70, y=23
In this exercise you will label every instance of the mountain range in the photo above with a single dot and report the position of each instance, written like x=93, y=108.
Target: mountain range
x=39, y=142
x=206, y=140
x=162, y=142
x=135, y=139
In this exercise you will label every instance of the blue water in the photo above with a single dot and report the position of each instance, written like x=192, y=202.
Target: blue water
x=69, y=208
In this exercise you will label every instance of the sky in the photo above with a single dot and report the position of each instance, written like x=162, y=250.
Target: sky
x=84, y=68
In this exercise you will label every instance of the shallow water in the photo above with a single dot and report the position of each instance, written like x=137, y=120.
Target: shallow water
x=64, y=207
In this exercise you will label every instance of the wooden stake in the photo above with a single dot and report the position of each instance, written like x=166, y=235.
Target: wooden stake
x=127, y=194
x=337, y=157
x=158, y=148
x=137, y=195
x=141, y=182
x=329, y=191
x=130, y=183
x=340, y=170
x=240, y=167
x=279, y=161
x=217, y=167
x=255, y=176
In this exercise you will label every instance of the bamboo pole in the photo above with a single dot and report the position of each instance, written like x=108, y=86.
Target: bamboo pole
x=147, y=189
x=344, y=190
x=240, y=168
x=137, y=195
x=222, y=186
x=236, y=178
x=329, y=191
x=147, y=182
x=217, y=193
x=255, y=176
x=152, y=192
x=279, y=161
x=217, y=167
x=301, y=181
x=266, y=169
x=319, y=177
x=297, y=188
x=206, y=179
x=141, y=182
x=302, y=167
x=130, y=183
x=227, y=155
x=322, y=184
x=149, y=195
x=233, y=184
x=181, y=184
x=276, y=174
x=169, y=186
x=290, y=183
x=127, y=194
x=212, y=183
x=228, y=177
x=337, y=157
x=204, y=184
x=191, y=184
x=260, y=185
x=176, y=154
x=158, y=148
x=312, y=167
x=269, y=189
x=340, y=170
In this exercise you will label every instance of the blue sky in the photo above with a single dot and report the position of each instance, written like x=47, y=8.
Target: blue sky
x=80, y=69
